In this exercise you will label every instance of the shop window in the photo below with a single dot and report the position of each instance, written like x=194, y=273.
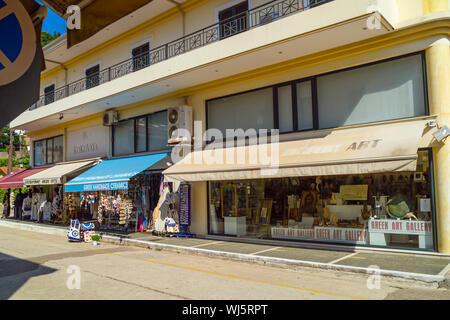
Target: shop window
x=141, y=134
x=58, y=149
x=48, y=151
x=92, y=76
x=251, y=110
x=304, y=106
x=141, y=56
x=285, y=113
x=233, y=20
x=384, y=209
x=39, y=152
x=158, y=133
x=49, y=94
x=123, y=138
x=379, y=92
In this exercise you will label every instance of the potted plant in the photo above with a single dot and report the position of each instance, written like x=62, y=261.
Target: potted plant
x=95, y=239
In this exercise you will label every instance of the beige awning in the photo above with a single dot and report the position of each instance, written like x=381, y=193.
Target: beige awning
x=388, y=147
x=55, y=174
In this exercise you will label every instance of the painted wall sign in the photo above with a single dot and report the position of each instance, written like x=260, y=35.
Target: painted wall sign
x=87, y=143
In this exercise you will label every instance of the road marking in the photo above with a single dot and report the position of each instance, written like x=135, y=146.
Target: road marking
x=232, y=276
x=206, y=244
x=343, y=258
x=267, y=250
x=445, y=270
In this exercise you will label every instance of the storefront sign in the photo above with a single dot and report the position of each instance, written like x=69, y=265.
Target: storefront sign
x=347, y=235
x=293, y=234
x=401, y=227
x=42, y=182
x=106, y=186
x=86, y=143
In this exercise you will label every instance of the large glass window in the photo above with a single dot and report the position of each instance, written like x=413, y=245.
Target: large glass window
x=158, y=133
x=251, y=110
x=142, y=134
x=383, y=91
x=378, y=92
x=383, y=209
x=124, y=138
x=48, y=151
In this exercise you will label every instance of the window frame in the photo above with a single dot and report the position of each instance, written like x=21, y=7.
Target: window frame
x=91, y=66
x=315, y=105
x=147, y=145
x=47, y=94
x=46, y=156
x=137, y=45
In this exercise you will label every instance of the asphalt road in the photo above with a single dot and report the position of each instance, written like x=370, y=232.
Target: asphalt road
x=40, y=266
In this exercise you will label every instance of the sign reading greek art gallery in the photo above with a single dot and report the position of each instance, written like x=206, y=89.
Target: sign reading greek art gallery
x=401, y=227
x=86, y=143
x=345, y=235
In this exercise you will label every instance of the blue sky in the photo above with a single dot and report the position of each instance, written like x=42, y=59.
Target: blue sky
x=53, y=22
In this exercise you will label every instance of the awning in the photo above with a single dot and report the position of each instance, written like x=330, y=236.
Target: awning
x=388, y=147
x=113, y=174
x=55, y=174
x=15, y=180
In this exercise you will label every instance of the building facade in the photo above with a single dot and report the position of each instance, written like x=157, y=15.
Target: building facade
x=356, y=89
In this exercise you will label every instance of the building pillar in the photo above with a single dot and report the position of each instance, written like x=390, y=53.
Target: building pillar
x=438, y=70
x=430, y=6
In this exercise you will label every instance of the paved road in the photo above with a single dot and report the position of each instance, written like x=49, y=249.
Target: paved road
x=34, y=266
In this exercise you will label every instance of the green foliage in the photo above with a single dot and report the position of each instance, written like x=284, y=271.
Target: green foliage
x=46, y=37
x=16, y=191
x=18, y=140
x=95, y=237
x=16, y=162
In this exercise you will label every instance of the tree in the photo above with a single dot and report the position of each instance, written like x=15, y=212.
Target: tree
x=18, y=140
x=46, y=37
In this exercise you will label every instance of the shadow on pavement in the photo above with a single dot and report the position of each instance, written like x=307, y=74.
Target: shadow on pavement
x=14, y=272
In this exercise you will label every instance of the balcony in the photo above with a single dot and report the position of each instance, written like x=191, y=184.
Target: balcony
x=242, y=22
x=271, y=34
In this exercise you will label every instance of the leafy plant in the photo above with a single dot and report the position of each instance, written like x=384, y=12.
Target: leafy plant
x=95, y=237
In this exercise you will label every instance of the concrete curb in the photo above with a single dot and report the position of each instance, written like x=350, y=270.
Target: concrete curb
x=429, y=280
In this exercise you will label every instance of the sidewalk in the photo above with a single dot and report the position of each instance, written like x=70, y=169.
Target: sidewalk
x=429, y=269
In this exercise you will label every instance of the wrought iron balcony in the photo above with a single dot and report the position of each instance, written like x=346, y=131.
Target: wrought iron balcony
x=239, y=23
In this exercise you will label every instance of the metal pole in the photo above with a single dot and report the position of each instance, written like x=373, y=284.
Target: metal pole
x=11, y=146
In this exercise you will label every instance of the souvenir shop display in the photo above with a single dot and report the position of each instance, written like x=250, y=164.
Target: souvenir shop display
x=385, y=209
x=80, y=231
x=26, y=206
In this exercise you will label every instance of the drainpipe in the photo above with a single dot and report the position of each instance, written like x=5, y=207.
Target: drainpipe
x=183, y=14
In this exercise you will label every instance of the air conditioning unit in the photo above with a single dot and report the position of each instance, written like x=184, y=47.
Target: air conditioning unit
x=110, y=118
x=179, y=121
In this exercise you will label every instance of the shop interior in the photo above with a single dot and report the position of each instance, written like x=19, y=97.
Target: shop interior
x=306, y=208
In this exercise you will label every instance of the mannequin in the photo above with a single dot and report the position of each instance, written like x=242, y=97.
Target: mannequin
x=26, y=206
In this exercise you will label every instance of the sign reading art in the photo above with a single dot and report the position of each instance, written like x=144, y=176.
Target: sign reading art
x=86, y=143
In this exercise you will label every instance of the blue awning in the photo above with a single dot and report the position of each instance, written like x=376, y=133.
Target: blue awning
x=113, y=174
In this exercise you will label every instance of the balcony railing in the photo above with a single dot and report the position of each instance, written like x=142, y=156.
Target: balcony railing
x=244, y=21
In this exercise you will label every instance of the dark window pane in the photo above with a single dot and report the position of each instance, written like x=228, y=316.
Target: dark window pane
x=123, y=135
x=233, y=20
x=93, y=77
x=141, y=57
x=49, y=93
x=39, y=153
x=157, y=131
x=58, y=149
x=141, y=134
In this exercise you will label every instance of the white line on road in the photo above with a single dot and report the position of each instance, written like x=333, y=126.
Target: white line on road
x=445, y=270
x=206, y=244
x=343, y=258
x=271, y=249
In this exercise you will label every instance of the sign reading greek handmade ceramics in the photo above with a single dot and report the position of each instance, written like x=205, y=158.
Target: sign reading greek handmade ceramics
x=86, y=143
